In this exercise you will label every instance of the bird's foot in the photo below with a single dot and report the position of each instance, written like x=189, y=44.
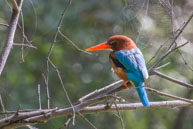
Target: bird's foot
x=128, y=84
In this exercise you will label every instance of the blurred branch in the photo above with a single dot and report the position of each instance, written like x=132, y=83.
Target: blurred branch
x=58, y=27
x=119, y=115
x=47, y=91
x=164, y=65
x=3, y=24
x=158, y=50
x=73, y=44
x=185, y=62
x=24, y=45
x=89, y=123
x=168, y=95
x=11, y=33
x=23, y=35
x=52, y=64
x=167, y=53
x=172, y=79
x=170, y=49
x=64, y=89
x=2, y=105
x=39, y=97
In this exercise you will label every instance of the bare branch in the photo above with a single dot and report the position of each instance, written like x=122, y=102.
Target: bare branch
x=98, y=91
x=70, y=117
x=39, y=97
x=44, y=115
x=158, y=50
x=2, y=105
x=167, y=53
x=64, y=89
x=23, y=36
x=119, y=114
x=31, y=127
x=58, y=27
x=168, y=95
x=134, y=106
x=47, y=91
x=10, y=36
x=89, y=123
x=185, y=62
x=170, y=49
x=24, y=45
x=172, y=79
x=164, y=65
x=3, y=24
x=180, y=30
x=73, y=44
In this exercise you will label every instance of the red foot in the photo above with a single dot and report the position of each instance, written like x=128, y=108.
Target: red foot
x=128, y=84
x=125, y=84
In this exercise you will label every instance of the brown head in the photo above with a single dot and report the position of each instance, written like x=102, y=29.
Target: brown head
x=116, y=43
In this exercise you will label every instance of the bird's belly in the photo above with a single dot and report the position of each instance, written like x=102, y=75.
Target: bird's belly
x=121, y=74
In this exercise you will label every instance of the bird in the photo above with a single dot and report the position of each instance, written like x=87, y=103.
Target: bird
x=127, y=62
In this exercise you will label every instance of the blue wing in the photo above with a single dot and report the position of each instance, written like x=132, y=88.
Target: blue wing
x=134, y=63
x=136, y=70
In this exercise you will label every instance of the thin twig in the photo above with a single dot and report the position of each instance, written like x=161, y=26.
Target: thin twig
x=23, y=35
x=168, y=95
x=167, y=53
x=39, y=97
x=172, y=79
x=58, y=27
x=185, y=62
x=47, y=91
x=73, y=44
x=164, y=65
x=120, y=117
x=2, y=106
x=3, y=24
x=31, y=127
x=170, y=49
x=64, y=89
x=70, y=117
x=89, y=123
x=24, y=45
x=50, y=51
x=180, y=30
x=158, y=50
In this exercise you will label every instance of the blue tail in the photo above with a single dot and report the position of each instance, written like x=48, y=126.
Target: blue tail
x=142, y=94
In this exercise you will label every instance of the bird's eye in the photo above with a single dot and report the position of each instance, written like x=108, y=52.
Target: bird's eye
x=112, y=43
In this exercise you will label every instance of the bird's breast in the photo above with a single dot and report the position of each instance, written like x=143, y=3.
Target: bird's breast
x=118, y=68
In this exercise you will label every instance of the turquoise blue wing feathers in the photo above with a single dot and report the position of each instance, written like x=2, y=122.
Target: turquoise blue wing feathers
x=136, y=70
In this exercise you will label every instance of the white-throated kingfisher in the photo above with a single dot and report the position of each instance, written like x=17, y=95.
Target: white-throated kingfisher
x=127, y=62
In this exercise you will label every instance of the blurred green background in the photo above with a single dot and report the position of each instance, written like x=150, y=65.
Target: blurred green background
x=88, y=23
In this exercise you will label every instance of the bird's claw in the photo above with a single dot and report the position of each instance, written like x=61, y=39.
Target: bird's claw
x=128, y=84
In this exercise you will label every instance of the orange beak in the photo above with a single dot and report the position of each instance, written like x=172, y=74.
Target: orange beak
x=102, y=46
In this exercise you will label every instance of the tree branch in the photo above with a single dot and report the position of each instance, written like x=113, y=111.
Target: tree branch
x=172, y=79
x=10, y=36
x=44, y=115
